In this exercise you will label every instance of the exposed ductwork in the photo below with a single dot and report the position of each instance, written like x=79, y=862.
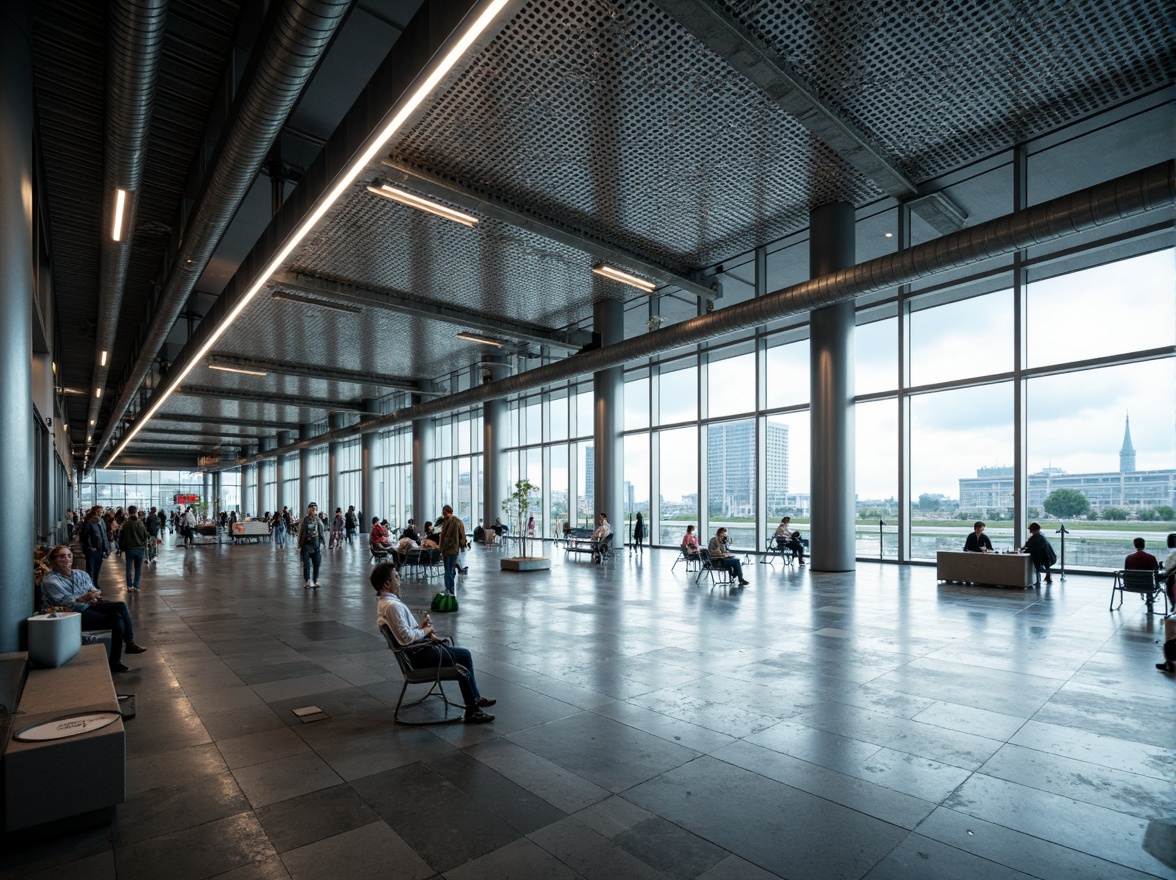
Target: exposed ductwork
x=136, y=41
x=301, y=32
x=1128, y=196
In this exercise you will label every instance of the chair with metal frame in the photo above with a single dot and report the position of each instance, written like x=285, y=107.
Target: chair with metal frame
x=710, y=567
x=1138, y=581
x=432, y=675
x=777, y=546
x=690, y=558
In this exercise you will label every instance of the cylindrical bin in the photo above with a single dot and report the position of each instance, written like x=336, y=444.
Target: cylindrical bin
x=54, y=641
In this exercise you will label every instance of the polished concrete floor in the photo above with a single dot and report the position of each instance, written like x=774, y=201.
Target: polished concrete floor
x=874, y=725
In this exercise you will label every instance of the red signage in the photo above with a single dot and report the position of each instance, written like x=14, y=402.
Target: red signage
x=185, y=499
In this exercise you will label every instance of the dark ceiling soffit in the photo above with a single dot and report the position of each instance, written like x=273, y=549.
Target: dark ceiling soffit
x=1140, y=192
x=194, y=445
x=273, y=399
x=161, y=459
x=327, y=374
x=499, y=327
x=437, y=187
x=429, y=32
x=279, y=70
x=135, y=41
x=193, y=433
x=186, y=419
x=710, y=24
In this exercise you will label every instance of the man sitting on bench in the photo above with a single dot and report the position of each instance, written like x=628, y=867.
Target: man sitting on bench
x=601, y=538
x=71, y=587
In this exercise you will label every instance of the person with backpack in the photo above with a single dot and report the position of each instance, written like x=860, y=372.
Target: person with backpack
x=311, y=537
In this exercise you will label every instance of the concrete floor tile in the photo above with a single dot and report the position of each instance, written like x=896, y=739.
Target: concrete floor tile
x=918, y=858
x=196, y=853
x=260, y=747
x=368, y=852
x=284, y=778
x=302, y=820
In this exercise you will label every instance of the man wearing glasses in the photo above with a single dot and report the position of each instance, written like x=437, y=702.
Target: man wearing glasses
x=72, y=588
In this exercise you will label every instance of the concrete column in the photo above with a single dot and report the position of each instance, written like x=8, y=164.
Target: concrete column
x=262, y=472
x=608, y=405
x=424, y=506
x=284, y=439
x=304, y=498
x=334, y=468
x=369, y=449
x=16, y=308
x=217, y=499
x=207, y=497
x=495, y=476
x=831, y=352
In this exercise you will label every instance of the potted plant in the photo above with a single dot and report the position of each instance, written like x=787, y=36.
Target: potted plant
x=518, y=508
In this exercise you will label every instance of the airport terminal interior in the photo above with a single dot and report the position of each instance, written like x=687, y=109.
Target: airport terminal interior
x=885, y=269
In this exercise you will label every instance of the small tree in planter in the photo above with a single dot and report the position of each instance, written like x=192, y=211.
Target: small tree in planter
x=519, y=505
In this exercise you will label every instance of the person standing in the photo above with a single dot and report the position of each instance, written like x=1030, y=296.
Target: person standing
x=134, y=544
x=337, y=529
x=95, y=545
x=351, y=523
x=66, y=586
x=311, y=537
x=279, y=528
x=1040, y=551
x=154, y=524
x=453, y=541
x=189, y=528
x=639, y=533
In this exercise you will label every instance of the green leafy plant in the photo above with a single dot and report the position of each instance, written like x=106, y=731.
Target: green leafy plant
x=518, y=507
x=1066, y=503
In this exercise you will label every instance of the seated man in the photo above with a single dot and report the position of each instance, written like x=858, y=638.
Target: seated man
x=1040, y=551
x=977, y=541
x=70, y=587
x=392, y=612
x=718, y=553
x=410, y=532
x=1140, y=560
x=600, y=538
x=500, y=528
x=787, y=537
x=1168, y=574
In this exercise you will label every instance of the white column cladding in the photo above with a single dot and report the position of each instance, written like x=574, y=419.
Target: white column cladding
x=16, y=306
x=831, y=352
x=608, y=390
x=495, y=474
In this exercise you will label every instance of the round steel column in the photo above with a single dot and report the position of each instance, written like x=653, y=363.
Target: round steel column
x=831, y=353
x=608, y=403
x=366, y=507
x=303, y=473
x=16, y=308
x=334, y=475
x=422, y=471
x=284, y=439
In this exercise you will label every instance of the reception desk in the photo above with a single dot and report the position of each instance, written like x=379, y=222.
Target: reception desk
x=997, y=569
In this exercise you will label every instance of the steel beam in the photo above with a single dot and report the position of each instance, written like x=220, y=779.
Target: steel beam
x=183, y=432
x=187, y=419
x=439, y=188
x=711, y=25
x=498, y=326
x=293, y=400
x=309, y=371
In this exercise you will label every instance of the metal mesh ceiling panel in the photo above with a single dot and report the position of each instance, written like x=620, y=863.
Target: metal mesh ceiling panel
x=945, y=82
x=372, y=242
x=612, y=118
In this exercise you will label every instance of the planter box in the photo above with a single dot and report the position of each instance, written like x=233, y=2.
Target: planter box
x=525, y=563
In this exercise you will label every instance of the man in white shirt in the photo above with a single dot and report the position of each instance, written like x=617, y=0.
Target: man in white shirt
x=600, y=537
x=393, y=613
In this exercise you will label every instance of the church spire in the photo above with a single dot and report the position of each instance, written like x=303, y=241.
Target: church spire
x=1127, y=453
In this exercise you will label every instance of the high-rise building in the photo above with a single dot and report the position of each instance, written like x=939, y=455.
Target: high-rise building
x=731, y=467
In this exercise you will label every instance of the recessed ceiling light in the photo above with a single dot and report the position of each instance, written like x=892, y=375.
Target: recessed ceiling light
x=890, y=235
x=120, y=203
x=102, y=360
x=615, y=274
x=485, y=340
x=404, y=197
x=224, y=369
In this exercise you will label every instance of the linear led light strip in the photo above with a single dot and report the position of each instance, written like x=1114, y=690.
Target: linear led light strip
x=345, y=181
x=404, y=197
x=624, y=278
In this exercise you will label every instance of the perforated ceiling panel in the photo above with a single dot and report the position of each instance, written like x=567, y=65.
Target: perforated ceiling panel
x=377, y=243
x=611, y=117
x=943, y=82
